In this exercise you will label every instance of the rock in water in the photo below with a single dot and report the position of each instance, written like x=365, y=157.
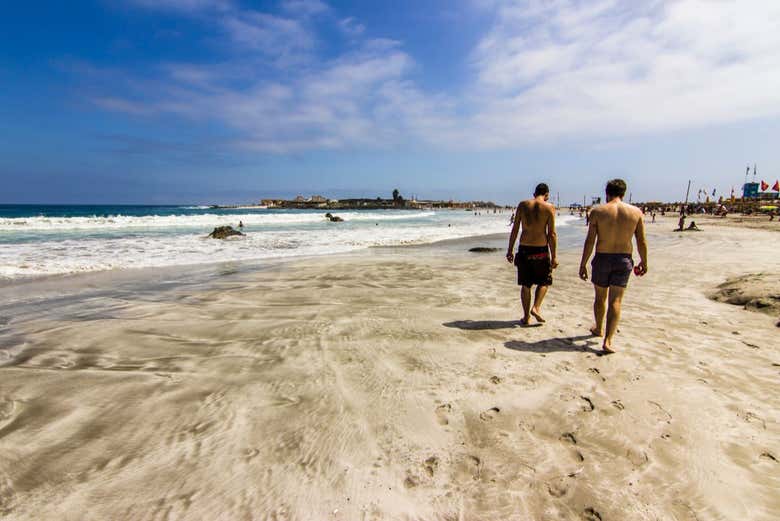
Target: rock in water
x=483, y=249
x=333, y=218
x=223, y=232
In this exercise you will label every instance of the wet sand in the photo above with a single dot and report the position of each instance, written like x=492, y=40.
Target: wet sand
x=399, y=385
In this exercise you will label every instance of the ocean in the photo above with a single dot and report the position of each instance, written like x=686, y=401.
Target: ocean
x=44, y=240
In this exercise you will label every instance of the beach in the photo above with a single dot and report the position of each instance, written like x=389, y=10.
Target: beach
x=396, y=383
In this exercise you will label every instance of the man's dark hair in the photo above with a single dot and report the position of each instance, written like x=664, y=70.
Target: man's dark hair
x=541, y=189
x=616, y=188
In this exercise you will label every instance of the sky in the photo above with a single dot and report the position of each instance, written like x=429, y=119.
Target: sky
x=219, y=101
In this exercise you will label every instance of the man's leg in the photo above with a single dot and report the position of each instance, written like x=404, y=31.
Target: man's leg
x=541, y=291
x=599, y=308
x=525, y=298
x=613, y=315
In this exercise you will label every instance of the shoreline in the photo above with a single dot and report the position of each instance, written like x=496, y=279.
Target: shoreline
x=205, y=270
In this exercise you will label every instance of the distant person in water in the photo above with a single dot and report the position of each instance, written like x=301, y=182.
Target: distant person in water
x=536, y=254
x=612, y=227
x=240, y=224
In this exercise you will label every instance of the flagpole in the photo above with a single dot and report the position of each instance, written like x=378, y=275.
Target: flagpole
x=687, y=192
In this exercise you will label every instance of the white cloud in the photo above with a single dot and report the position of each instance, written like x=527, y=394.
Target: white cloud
x=545, y=70
x=556, y=69
x=265, y=33
x=351, y=27
x=184, y=6
x=304, y=7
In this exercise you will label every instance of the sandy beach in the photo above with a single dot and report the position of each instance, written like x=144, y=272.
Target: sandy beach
x=397, y=384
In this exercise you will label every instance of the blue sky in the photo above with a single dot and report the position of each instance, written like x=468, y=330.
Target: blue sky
x=198, y=101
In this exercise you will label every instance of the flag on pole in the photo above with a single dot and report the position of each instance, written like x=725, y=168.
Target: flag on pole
x=776, y=186
x=764, y=186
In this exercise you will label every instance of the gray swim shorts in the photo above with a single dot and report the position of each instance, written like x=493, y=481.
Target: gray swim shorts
x=611, y=269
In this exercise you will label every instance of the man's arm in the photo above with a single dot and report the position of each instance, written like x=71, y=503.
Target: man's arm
x=587, y=249
x=510, y=257
x=641, y=245
x=552, y=239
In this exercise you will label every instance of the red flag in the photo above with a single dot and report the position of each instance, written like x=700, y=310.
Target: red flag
x=776, y=187
x=764, y=186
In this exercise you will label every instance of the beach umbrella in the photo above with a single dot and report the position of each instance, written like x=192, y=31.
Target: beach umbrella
x=776, y=186
x=764, y=186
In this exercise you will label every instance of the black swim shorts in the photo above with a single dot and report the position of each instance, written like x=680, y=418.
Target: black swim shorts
x=533, y=266
x=611, y=269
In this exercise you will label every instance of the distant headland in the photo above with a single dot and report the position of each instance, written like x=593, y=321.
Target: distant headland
x=397, y=202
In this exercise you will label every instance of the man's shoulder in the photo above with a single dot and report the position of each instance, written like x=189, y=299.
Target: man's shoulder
x=635, y=210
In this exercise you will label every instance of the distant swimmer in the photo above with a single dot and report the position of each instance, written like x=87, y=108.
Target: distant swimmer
x=536, y=254
x=240, y=224
x=612, y=226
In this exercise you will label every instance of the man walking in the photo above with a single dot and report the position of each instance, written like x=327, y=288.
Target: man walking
x=612, y=226
x=536, y=254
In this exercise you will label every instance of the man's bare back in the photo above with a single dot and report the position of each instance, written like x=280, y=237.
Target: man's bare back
x=611, y=230
x=536, y=217
x=616, y=225
x=536, y=256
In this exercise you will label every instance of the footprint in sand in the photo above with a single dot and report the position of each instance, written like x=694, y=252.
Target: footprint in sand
x=617, y=404
x=490, y=414
x=588, y=407
x=474, y=466
x=250, y=454
x=569, y=437
x=769, y=456
x=660, y=413
x=442, y=413
x=431, y=465
x=590, y=514
x=495, y=380
x=558, y=487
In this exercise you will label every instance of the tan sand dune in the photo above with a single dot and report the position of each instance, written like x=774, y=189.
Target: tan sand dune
x=397, y=385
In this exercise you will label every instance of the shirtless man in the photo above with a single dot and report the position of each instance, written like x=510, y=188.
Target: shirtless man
x=536, y=255
x=613, y=224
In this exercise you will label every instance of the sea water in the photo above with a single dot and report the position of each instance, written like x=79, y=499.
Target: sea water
x=51, y=240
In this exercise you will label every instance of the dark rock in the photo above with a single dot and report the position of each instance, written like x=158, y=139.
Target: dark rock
x=483, y=249
x=223, y=232
x=333, y=218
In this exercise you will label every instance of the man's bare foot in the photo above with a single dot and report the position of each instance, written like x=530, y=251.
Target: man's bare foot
x=524, y=321
x=607, y=347
x=539, y=318
x=595, y=331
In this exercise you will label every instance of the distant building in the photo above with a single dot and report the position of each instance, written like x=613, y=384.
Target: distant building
x=318, y=199
x=300, y=199
x=750, y=190
x=269, y=202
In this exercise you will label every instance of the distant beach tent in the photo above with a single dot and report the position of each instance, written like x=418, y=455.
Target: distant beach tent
x=776, y=186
